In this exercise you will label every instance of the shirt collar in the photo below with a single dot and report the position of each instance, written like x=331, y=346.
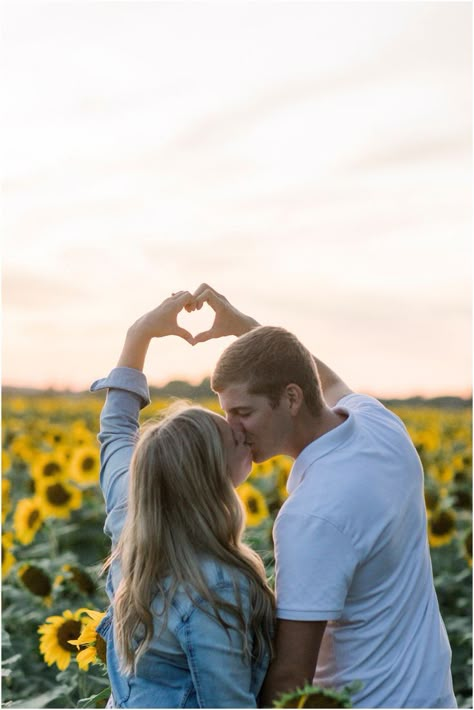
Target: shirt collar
x=320, y=447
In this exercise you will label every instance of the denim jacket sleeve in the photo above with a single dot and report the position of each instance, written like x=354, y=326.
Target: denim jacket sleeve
x=222, y=676
x=127, y=394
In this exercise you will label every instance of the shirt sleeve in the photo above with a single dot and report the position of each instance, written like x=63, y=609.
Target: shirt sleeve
x=315, y=563
x=221, y=675
x=127, y=394
x=370, y=408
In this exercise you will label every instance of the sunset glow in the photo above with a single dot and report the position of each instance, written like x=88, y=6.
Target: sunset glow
x=311, y=161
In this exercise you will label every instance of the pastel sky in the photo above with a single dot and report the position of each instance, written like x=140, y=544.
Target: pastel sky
x=310, y=160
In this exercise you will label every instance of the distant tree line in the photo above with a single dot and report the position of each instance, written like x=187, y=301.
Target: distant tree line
x=184, y=390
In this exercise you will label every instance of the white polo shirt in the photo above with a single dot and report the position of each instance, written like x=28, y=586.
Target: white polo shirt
x=351, y=548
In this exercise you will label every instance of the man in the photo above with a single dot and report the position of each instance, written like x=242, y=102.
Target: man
x=354, y=585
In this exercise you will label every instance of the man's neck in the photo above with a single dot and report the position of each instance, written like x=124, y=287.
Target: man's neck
x=311, y=428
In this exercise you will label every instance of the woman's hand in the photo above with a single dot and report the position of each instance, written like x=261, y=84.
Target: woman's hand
x=162, y=320
x=157, y=323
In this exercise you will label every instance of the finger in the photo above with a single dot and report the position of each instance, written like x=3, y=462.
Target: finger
x=186, y=335
x=209, y=296
x=203, y=337
x=203, y=288
x=183, y=299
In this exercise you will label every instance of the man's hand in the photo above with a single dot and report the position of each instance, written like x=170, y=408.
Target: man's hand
x=228, y=320
x=297, y=646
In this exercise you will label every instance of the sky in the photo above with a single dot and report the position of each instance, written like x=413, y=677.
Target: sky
x=309, y=160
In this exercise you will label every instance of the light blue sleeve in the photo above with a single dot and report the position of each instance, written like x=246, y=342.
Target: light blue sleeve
x=127, y=394
x=221, y=675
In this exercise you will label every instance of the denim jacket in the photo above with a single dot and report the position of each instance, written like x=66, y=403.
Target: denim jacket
x=193, y=662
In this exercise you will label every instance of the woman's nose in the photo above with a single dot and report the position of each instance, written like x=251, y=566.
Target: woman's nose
x=239, y=434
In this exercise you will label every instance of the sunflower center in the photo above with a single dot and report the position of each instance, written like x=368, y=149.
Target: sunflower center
x=57, y=494
x=88, y=463
x=51, y=468
x=431, y=499
x=101, y=648
x=36, y=581
x=33, y=518
x=83, y=581
x=443, y=523
x=69, y=631
x=252, y=504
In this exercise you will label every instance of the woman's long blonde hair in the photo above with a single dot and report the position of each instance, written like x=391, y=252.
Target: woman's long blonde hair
x=182, y=505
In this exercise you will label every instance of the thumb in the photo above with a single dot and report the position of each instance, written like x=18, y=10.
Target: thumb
x=202, y=337
x=186, y=335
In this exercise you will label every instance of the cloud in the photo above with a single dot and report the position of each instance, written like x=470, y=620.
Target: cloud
x=456, y=146
x=24, y=290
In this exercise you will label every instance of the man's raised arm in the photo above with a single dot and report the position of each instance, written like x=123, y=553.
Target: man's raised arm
x=230, y=321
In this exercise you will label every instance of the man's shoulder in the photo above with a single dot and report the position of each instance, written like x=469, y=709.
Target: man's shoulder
x=365, y=406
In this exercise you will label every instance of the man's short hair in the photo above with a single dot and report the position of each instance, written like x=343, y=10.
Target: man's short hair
x=267, y=359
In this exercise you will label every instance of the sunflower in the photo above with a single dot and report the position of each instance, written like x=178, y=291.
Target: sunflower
x=265, y=468
x=8, y=559
x=441, y=527
x=27, y=519
x=55, y=435
x=6, y=502
x=281, y=481
x=80, y=579
x=24, y=448
x=48, y=467
x=6, y=461
x=85, y=465
x=462, y=498
x=313, y=696
x=255, y=505
x=58, y=498
x=36, y=581
x=441, y=472
x=96, y=648
x=81, y=434
x=432, y=498
x=55, y=635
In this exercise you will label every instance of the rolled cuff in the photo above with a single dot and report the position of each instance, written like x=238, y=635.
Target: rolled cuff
x=125, y=378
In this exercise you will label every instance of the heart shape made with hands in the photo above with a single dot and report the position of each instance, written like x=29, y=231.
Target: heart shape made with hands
x=197, y=321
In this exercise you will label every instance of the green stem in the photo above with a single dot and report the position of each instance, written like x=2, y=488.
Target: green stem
x=53, y=539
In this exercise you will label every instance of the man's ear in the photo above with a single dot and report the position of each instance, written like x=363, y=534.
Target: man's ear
x=295, y=398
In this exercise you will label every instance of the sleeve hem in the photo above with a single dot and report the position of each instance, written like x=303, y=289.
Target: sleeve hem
x=125, y=378
x=297, y=615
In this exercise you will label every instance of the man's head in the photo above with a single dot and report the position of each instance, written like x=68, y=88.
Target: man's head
x=265, y=380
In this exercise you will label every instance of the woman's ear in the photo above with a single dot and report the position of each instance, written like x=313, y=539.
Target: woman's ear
x=294, y=396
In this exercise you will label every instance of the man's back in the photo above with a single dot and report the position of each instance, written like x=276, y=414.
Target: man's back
x=352, y=549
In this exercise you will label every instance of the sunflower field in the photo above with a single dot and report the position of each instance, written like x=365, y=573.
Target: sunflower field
x=53, y=544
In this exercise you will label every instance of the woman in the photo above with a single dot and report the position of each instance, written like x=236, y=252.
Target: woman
x=191, y=612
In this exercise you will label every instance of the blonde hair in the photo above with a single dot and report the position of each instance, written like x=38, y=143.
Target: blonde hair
x=267, y=359
x=182, y=505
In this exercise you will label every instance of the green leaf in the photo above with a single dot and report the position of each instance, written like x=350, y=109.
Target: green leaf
x=41, y=701
x=11, y=660
x=93, y=699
